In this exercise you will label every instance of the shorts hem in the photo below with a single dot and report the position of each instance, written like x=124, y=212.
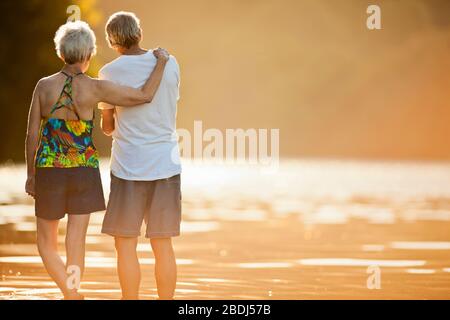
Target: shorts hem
x=116, y=233
x=87, y=211
x=62, y=216
x=162, y=234
x=46, y=217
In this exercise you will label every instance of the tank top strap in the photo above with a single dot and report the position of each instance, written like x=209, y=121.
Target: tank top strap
x=65, y=98
x=69, y=75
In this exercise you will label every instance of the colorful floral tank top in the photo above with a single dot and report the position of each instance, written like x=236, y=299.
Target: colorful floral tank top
x=66, y=143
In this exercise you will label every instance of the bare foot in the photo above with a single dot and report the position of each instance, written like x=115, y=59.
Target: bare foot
x=73, y=296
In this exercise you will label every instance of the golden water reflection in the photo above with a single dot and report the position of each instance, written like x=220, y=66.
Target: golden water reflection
x=309, y=230
x=361, y=262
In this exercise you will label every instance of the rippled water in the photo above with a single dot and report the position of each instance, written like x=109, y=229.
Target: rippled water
x=309, y=230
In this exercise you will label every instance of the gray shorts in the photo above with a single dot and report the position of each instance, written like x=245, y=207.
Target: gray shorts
x=131, y=202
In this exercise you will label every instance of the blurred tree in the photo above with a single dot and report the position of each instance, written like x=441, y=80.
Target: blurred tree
x=27, y=54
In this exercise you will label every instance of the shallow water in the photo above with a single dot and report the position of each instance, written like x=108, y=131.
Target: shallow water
x=311, y=230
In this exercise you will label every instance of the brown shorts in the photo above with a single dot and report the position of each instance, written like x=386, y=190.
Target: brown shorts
x=68, y=190
x=158, y=203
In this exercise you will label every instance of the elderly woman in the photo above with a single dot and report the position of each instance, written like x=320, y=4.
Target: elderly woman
x=62, y=161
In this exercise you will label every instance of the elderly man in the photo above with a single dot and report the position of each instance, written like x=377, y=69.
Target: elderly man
x=145, y=164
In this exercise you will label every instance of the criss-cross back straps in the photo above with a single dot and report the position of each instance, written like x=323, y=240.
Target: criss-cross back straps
x=65, y=98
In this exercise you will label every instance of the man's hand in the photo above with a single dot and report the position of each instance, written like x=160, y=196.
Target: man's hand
x=29, y=186
x=161, y=54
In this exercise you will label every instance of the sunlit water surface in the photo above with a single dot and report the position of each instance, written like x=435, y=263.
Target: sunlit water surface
x=309, y=230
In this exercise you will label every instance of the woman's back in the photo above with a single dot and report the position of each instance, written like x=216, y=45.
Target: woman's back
x=67, y=123
x=82, y=95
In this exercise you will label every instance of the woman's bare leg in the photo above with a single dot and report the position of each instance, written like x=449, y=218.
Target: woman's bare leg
x=47, y=242
x=75, y=248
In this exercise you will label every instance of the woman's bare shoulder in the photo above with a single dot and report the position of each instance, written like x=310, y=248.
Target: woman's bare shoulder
x=48, y=81
x=90, y=82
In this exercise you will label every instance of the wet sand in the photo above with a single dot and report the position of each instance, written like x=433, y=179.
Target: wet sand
x=277, y=243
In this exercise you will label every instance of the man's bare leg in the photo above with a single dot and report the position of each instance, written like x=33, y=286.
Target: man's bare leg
x=128, y=267
x=165, y=267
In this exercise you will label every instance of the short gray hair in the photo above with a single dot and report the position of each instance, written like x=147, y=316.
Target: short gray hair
x=75, y=42
x=123, y=29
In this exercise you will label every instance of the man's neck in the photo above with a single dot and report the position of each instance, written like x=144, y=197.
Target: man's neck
x=133, y=51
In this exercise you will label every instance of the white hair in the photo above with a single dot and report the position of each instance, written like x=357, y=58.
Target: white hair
x=75, y=42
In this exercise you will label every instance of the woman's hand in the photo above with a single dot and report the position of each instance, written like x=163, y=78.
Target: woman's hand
x=161, y=54
x=29, y=186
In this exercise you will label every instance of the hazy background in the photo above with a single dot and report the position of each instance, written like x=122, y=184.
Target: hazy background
x=307, y=230
x=310, y=68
